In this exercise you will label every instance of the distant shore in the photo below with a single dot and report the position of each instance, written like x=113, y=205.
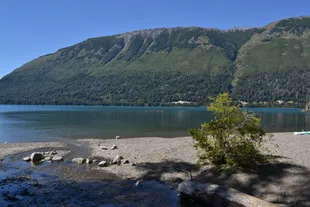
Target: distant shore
x=300, y=106
x=173, y=159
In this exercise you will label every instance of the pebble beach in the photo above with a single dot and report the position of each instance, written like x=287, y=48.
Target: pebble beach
x=172, y=160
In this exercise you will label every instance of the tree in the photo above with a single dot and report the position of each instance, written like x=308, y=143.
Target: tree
x=234, y=137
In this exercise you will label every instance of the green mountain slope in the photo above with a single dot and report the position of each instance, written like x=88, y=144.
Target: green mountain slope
x=275, y=65
x=160, y=66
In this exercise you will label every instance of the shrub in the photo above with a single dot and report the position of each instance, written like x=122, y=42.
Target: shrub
x=234, y=137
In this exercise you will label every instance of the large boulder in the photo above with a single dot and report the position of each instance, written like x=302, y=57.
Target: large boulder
x=215, y=195
x=79, y=160
x=37, y=156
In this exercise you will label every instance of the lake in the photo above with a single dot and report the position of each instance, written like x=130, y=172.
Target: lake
x=23, y=123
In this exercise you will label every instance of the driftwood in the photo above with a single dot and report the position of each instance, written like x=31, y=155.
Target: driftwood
x=215, y=195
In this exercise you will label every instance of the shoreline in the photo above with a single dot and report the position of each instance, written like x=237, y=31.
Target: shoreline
x=296, y=150
x=299, y=145
x=285, y=180
x=156, y=106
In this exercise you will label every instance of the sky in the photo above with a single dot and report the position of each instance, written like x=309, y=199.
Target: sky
x=31, y=28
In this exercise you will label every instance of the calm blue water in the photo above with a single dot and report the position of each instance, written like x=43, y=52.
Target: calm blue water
x=20, y=123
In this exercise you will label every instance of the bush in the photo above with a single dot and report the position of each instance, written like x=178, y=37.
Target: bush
x=234, y=137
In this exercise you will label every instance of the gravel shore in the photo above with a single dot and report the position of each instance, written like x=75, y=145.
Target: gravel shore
x=291, y=148
x=151, y=157
x=286, y=180
x=7, y=149
x=286, y=146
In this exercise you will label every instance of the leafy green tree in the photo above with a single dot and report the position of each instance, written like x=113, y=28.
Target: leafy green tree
x=234, y=137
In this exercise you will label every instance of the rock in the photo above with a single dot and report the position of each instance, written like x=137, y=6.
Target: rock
x=207, y=193
x=27, y=159
x=104, y=148
x=125, y=161
x=95, y=161
x=88, y=161
x=79, y=160
x=133, y=164
x=113, y=147
x=117, y=137
x=103, y=164
x=25, y=192
x=117, y=159
x=48, y=158
x=138, y=183
x=57, y=158
x=19, y=197
x=36, y=156
x=54, y=152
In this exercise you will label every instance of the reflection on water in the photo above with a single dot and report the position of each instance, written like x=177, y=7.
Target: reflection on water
x=284, y=120
x=43, y=123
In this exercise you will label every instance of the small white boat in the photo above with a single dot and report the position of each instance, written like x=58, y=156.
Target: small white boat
x=302, y=133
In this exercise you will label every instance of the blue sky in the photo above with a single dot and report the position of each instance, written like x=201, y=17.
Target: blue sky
x=31, y=28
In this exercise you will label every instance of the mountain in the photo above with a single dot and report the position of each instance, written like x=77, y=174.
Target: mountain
x=161, y=66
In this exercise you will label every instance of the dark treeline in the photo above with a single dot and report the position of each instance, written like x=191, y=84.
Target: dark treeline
x=141, y=89
x=161, y=89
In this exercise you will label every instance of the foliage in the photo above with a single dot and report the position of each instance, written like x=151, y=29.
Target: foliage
x=234, y=137
x=294, y=25
x=288, y=86
x=160, y=66
x=230, y=42
x=129, y=89
x=135, y=45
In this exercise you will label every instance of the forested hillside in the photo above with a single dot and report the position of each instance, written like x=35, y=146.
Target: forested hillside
x=161, y=66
